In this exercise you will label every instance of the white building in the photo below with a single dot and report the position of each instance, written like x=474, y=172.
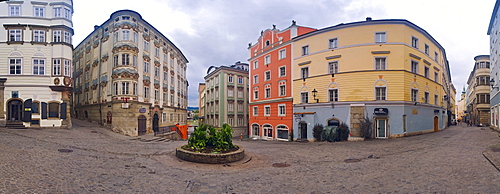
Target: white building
x=35, y=63
x=494, y=32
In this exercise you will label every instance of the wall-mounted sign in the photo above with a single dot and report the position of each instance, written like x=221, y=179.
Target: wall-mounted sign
x=142, y=110
x=381, y=111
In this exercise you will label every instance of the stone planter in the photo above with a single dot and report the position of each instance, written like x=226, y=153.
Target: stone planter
x=209, y=158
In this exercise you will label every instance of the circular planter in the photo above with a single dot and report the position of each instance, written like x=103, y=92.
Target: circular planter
x=209, y=158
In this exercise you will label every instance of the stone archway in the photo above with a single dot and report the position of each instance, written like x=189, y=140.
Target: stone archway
x=14, y=110
x=156, y=118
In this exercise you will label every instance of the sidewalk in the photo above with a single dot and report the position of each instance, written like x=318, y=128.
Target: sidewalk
x=492, y=153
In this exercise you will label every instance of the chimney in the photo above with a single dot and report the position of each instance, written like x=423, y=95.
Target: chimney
x=368, y=18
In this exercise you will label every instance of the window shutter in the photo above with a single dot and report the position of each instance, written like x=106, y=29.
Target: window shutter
x=27, y=110
x=44, y=110
x=63, y=111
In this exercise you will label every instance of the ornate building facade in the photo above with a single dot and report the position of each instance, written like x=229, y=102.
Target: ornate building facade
x=130, y=77
x=478, y=97
x=390, y=71
x=36, y=63
x=493, y=32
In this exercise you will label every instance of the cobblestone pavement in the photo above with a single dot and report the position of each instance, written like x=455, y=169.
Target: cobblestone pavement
x=92, y=159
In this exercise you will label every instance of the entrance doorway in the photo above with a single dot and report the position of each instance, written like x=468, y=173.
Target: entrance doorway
x=155, y=123
x=381, y=128
x=15, y=108
x=303, y=130
x=255, y=130
x=141, y=125
x=268, y=131
x=436, y=121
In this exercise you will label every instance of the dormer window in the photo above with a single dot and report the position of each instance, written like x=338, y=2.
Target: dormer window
x=125, y=17
x=267, y=43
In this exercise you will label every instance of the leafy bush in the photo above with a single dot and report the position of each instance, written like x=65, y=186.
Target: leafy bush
x=365, y=125
x=330, y=133
x=219, y=139
x=343, y=132
x=317, y=130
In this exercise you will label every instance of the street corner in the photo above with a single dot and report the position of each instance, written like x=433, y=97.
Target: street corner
x=492, y=154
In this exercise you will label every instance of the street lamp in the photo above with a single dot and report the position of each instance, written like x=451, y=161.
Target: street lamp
x=314, y=95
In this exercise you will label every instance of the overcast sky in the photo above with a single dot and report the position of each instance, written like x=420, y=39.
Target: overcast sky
x=217, y=32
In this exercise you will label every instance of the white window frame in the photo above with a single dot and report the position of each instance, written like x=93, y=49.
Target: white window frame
x=304, y=72
x=125, y=35
x=305, y=50
x=125, y=59
x=230, y=107
x=267, y=110
x=333, y=43
x=38, y=35
x=414, y=42
x=14, y=10
x=38, y=66
x=414, y=95
x=38, y=11
x=125, y=88
x=333, y=95
x=67, y=37
x=414, y=66
x=146, y=66
x=267, y=59
x=15, y=68
x=267, y=75
x=304, y=97
x=56, y=66
x=57, y=12
x=426, y=49
x=230, y=92
x=230, y=79
x=380, y=37
x=426, y=97
x=256, y=64
x=281, y=110
x=56, y=36
x=282, y=89
x=383, y=94
x=255, y=110
x=67, y=67
x=255, y=79
x=378, y=63
x=256, y=94
x=333, y=67
x=427, y=71
x=15, y=35
x=280, y=73
x=282, y=54
x=267, y=92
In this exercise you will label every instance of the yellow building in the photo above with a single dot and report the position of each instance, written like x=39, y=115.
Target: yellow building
x=391, y=71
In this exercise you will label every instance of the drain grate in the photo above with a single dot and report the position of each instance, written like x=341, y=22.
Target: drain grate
x=352, y=160
x=65, y=150
x=281, y=165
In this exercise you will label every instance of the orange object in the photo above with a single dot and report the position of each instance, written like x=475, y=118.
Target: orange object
x=182, y=130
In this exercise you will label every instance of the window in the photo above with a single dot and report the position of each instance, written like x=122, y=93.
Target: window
x=157, y=95
x=14, y=10
x=56, y=67
x=332, y=43
x=380, y=93
x=256, y=94
x=426, y=97
x=146, y=46
x=281, y=110
x=67, y=13
x=333, y=67
x=436, y=99
x=267, y=75
x=426, y=49
x=134, y=89
x=240, y=80
x=426, y=72
x=15, y=66
x=146, y=92
x=134, y=61
x=230, y=121
x=157, y=52
x=146, y=66
x=57, y=36
x=115, y=88
x=136, y=39
x=157, y=71
x=282, y=132
x=414, y=66
x=304, y=72
x=414, y=42
x=282, y=71
x=333, y=95
x=267, y=60
x=67, y=67
x=53, y=110
x=15, y=35
x=414, y=95
x=268, y=92
x=304, y=97
x=57, y=12
x=255, y=111
x=230, y=107
x=125, y=88
x=38, y=36
x=282, y=54
x=230, y=79
x=380, y=63
x=38, y=66
x=282, y=90
x=125, y=59
x=229, y=92
x=305, y=50
x=267, y=110
x=379, y=36
x=240, y=107
x=125, y=35
x=255, y=79
x=115, y=60
x=126, y=17
x=240, y=93
x=115, y=37
x=436, y=76
x=34, y=107
x=483, y=98
x=483, y=80
x=256, y=64
x=216, y=79
x=436, y=56
x=67, y=37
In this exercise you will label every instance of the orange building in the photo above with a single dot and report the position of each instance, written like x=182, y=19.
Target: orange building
x=270, y=101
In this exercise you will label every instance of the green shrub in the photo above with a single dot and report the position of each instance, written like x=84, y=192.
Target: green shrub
x=343, y=132
x=219, y=139
x=198, y=139
x=317, y=130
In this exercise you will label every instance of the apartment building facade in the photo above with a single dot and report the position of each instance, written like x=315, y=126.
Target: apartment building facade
x=478, y=107
x=226, y=96
x=36, y=63
x=130, y=77
x=390, y=71
x=493, y=32
x=271, y=111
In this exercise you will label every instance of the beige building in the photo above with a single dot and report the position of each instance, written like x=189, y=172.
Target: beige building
x=201, y=101
x=35, y=63
x=460, y=110
x=478, y=95
x=130, y=77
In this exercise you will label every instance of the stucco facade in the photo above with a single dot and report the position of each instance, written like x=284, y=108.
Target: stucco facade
x=391, y=71
x=130, y=77
x=478, y=104
x=36, y=63
x=493, y=32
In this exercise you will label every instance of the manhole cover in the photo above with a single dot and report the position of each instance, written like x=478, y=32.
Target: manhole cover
x=65, y=150
x=280, y=165
x=352, y=160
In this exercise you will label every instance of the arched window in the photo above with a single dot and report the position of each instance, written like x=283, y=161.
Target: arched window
x=255, y=129
x=268, y=130
x=333, y=122
x=282, y=131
